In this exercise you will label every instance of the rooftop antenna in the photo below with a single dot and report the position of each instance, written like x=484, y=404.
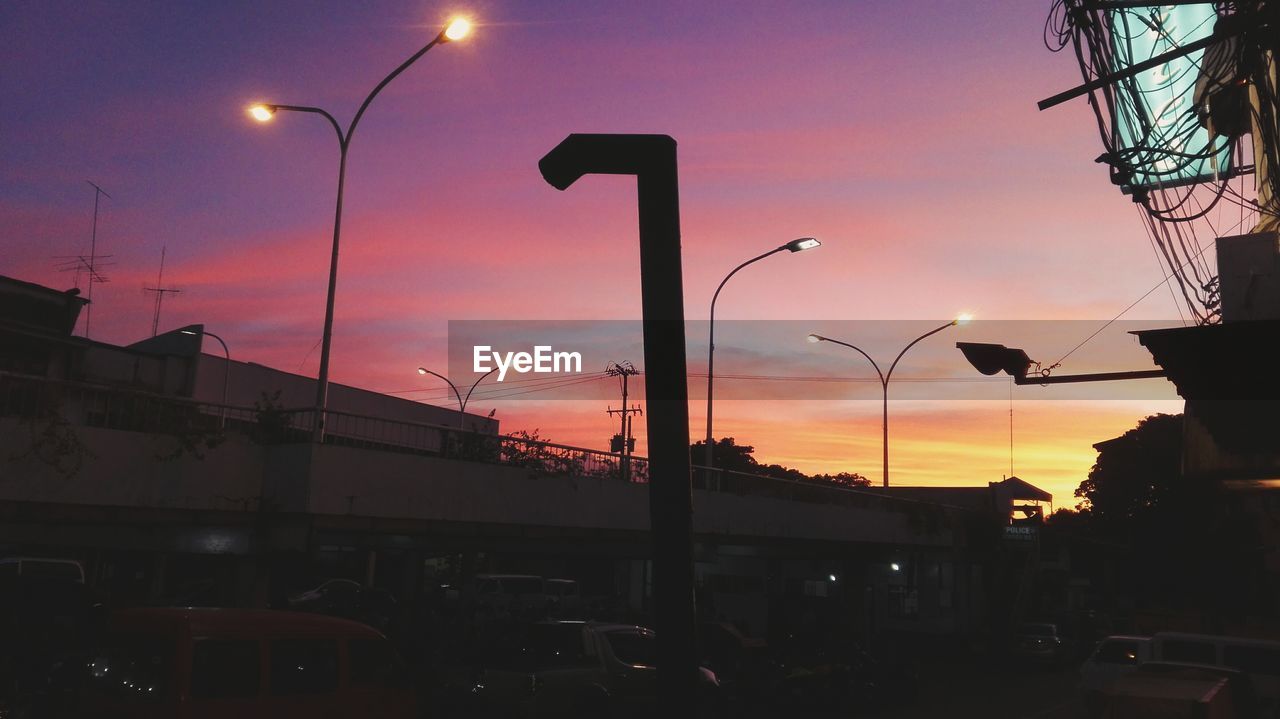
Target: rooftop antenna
x=89, y=265
x=160, y=291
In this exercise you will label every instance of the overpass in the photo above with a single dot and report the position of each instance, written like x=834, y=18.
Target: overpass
x=157, y=484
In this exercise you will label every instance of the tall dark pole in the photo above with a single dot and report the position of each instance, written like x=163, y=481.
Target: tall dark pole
x=652, y=159
x=264, y=112
x=884, y=384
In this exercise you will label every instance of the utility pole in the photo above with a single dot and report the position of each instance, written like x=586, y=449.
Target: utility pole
x=160, y=291
x=622, y=442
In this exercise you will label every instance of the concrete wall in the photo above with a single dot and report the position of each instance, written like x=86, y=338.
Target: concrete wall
x=247, y=381
x=128, y=469
x=118, y=468
x=350, y=480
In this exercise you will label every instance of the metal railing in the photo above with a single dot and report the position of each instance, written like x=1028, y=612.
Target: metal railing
x=39, y=400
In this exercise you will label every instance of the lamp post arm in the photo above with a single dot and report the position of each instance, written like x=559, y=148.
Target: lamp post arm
x=708, y=456
x=225, y=351
x=473, y=387
x=342, y=139
x=883, y=379
x=452, y=386
x=930, y=333
x=226, y=377
x=753, y=260
x=386, y=80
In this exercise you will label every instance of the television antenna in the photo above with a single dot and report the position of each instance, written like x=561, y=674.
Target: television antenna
x=160, y=291
x=89, y=265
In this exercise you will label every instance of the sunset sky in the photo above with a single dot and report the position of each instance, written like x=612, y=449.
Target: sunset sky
x=903, y=134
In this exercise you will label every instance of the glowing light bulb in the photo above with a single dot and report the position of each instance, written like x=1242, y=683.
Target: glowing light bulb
x=458, y=29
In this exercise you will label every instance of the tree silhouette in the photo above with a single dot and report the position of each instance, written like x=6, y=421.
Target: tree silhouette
x=1191, y=544
x=1137, y=476
x=729, y=456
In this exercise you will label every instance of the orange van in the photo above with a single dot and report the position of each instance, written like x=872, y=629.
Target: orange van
x=246, y=664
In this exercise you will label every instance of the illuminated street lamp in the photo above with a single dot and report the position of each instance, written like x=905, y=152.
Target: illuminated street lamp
x=462, y=401
x=990, y=359
x=797, y=245
x=457, y=29
x=886, y=376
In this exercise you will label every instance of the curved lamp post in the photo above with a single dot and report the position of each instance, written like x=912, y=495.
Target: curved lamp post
x=226, y=371
x=886, y=376
x=263, y=112
x=462, y=401
x=797, y=245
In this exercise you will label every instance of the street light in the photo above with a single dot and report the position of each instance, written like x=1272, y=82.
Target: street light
x=992, y=358
x=885, y=376
x=797, y=245
x=457, y=29
x=226, y=370
x=462, y=401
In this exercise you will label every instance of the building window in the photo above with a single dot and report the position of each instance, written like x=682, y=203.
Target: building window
x=904, y=603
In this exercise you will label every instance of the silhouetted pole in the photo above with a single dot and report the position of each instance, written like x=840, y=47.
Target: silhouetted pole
x=652, y=159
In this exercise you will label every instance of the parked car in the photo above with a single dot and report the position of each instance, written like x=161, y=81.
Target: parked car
x=573, y=668
x=1259, y=658
x=248, y=664
x=1039, y=642
x=1172, y=690
x=826, y=674
x=565, y=598
x=513, y=595
x=741, y=663
x=44, y=621
x=349, y=600
x=1111, y=659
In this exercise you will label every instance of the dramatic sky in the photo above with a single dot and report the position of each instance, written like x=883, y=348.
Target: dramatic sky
x=903, y=133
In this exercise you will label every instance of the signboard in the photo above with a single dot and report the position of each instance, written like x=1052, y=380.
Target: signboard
x=1020, y=532
x=1158, y=137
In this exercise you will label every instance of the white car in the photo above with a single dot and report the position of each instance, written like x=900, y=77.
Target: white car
x=1113, y=658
